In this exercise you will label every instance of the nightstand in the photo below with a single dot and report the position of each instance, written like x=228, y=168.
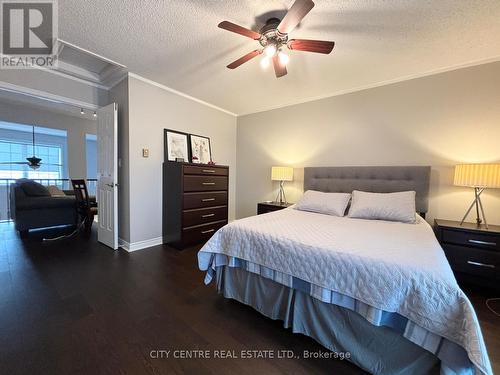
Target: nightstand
x=473, y=252
x=265, y=207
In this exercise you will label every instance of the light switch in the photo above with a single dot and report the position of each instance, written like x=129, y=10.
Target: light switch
x=145, y=153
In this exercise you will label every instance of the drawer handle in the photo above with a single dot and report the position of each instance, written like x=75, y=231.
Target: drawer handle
x=208, y=171
x=208, y=215
x=208, y=231
x=208, y=183
x=480, y=264
x=208, y=200
x=477, y=242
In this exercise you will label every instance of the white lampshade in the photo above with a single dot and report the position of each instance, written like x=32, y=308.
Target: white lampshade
x=282, y=174
x=478, y=175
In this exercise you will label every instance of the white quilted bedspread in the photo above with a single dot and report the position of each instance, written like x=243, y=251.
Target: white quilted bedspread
x=391, y=266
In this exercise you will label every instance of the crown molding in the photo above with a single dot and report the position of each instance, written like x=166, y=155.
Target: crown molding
x=77, y=74
x=173, y=91
x=118, y=81
x=43, y=95
x=67, y=75
x=100, y=57
x=379, y=84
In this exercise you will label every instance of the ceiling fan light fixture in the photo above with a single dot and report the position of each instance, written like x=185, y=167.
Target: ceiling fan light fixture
x=274, y=36
x=82, y=112
x=34, y=162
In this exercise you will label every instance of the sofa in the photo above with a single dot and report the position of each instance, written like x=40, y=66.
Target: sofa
x=32, y=206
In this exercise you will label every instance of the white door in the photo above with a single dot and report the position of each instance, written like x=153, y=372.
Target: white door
x=107, y=175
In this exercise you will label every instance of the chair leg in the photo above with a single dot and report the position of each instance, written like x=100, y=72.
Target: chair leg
x=88, y=225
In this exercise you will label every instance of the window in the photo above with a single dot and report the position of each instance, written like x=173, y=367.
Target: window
x=16, y=144
x=91, y=151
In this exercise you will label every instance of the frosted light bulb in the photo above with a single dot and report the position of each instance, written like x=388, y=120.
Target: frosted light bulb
x=283, y=58
x=270, y=50
x=264, y=63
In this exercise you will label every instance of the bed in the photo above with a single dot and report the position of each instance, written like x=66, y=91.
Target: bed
x=371, y=288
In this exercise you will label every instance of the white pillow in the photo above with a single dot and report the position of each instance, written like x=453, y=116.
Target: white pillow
x=385, y=206
x=324, y=203
x=55, y=191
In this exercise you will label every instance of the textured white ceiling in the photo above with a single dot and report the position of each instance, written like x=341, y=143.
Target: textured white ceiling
x=177, y=43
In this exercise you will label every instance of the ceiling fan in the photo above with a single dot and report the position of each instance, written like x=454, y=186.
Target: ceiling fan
x=273, y=38
x=32, y=162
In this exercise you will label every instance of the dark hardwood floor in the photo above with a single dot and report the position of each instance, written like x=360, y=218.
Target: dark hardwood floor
x=77, y=307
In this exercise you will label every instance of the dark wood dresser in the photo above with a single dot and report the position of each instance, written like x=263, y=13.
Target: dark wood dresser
x=473, y=252
x=195, y=202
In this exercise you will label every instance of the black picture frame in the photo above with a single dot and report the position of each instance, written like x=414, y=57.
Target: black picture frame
x=193, y=152
x=167, y=156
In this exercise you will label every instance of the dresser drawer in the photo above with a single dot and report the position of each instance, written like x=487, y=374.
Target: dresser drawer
x=206, y=170
x=203, y=216
x=200, y=233
x=473, y=261
x=204, y=183
x=482, y=240
x=201, y=200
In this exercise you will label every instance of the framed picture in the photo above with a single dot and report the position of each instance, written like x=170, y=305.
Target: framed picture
x=201, y=152
x=176, y=146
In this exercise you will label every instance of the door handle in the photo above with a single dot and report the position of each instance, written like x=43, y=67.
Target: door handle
x=208, y=183
x=208, y=171
x=110, y=185
x=208, y=231
x=477, y=242
x=209, y=215
x=480, y=264
x=208, y=200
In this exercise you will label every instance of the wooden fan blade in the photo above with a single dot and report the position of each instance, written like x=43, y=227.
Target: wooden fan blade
x=295, y=14
x=279, y=68
x=244, y=59
x=229, y=26
x=318, y=46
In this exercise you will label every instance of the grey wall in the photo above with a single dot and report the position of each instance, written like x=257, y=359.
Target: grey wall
x=76, y=129
x=439, y=120
x=120, y=95
x=151, y=110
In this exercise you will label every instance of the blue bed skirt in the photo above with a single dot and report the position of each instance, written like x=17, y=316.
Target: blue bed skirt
x=454, y=359
x=377, y=348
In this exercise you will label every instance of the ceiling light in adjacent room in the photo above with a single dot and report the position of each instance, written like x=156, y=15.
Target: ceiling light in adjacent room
x=270, y=50
x=284, y=58
x=82, y=112
x=95, y=114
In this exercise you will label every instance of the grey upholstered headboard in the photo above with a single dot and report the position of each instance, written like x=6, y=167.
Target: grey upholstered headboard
x=372, y=179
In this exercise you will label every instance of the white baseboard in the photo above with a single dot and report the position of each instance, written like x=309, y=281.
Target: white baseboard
x=140, y=245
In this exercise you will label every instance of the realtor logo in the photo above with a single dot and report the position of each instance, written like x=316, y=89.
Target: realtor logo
x=29, y=31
